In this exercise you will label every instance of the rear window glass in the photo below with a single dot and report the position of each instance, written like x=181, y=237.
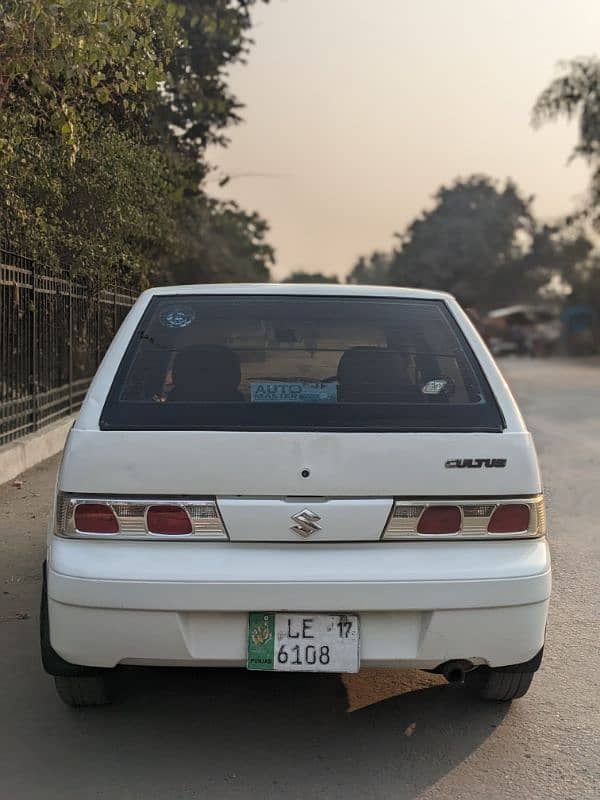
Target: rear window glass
x=250, y=362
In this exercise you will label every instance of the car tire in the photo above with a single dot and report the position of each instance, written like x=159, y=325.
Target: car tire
x=81, y=691
x=498, y=684
x=76, y=685
x=51, y=661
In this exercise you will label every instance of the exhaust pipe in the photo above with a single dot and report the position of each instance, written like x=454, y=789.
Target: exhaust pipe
x=454, y=671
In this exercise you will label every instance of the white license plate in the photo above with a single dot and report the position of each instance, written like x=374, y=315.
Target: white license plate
x=303, y=642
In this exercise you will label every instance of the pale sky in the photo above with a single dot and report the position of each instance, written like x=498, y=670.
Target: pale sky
x=357, y=110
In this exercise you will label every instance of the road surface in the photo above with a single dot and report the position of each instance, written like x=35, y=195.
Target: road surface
x=232, y=734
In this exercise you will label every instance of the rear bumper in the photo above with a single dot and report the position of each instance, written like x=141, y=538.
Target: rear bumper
x=182, y=603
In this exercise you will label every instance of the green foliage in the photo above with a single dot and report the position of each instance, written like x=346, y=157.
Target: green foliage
x=374, y=270
x=471, y=235
x=106, y=107
x=220, y=242
x=300, y=276
x=197, y=102
x=481, y=242
x=583, y=278
x=576, y=94
x=65, y=58
x=111, y=211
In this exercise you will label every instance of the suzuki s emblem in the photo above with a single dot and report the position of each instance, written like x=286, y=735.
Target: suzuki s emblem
x=306, y=523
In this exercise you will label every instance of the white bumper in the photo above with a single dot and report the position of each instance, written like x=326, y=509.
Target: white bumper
x=186, y=603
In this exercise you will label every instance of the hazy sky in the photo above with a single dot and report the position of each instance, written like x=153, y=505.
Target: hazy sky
x=357, y=110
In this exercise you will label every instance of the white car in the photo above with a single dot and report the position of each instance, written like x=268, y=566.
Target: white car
x=297, y=477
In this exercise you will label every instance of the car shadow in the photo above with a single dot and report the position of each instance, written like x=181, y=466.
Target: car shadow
x=231, y=732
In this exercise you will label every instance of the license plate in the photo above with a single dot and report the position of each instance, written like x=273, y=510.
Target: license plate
x=303, y=642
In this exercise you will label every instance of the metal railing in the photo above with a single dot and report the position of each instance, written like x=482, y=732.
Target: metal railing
x=53, y=333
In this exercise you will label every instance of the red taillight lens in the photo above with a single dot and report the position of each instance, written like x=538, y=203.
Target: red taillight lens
x=440, y=519
x=511, y=518
x=95, y=518
x=169, y=520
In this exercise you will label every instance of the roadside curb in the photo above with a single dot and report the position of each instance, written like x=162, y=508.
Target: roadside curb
x=24, y=453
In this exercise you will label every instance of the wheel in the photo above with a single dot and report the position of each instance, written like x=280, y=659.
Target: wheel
x=79, y=691
x=76, y=685
x=498, y=684
x=51, y=661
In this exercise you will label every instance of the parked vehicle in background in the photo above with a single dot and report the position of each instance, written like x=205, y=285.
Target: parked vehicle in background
x=523, y=330
x=297, y=478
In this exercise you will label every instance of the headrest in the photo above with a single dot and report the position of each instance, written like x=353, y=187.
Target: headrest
x=205, y=372
x=373, y=374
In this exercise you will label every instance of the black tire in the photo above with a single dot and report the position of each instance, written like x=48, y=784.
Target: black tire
x=54, y=664
x=88, y=690
x=51, y=661
x=498, y=684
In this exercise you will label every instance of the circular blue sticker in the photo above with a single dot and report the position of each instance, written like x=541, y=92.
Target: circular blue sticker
x=177, y=317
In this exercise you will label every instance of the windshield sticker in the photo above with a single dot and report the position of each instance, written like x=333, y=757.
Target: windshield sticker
x=177, y=316
x=434, y=387
x=292, y=392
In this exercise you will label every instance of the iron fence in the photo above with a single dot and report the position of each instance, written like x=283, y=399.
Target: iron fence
x=53, y=333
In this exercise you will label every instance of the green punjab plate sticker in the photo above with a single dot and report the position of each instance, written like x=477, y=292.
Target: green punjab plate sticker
x=261, y=640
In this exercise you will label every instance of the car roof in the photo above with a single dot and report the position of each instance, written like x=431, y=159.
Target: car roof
x=339, y=289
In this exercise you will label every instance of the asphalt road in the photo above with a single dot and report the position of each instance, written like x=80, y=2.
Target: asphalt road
x=228, y=734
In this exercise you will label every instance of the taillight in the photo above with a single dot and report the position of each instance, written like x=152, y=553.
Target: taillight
x=168, y=520
x=463, y=519
x=440, y=519
x=95, y=518
x=510, y=518
x=83, y=517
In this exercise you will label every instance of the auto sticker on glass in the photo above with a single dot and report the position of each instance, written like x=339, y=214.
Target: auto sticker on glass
x=293, y=392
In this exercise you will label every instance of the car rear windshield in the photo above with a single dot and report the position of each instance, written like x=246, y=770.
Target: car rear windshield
x=249, y=362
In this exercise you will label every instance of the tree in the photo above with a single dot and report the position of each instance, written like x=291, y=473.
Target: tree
x=62, y=60
x=576, y=93
x=583, y=280
x=218, y=241
x=466, y=242
x=111, y=214
x=374, y=270
x=106, y=107
x=215, y=241
x=481, y=242
x=82, y=187
x=300, y=276
x=196, y=101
